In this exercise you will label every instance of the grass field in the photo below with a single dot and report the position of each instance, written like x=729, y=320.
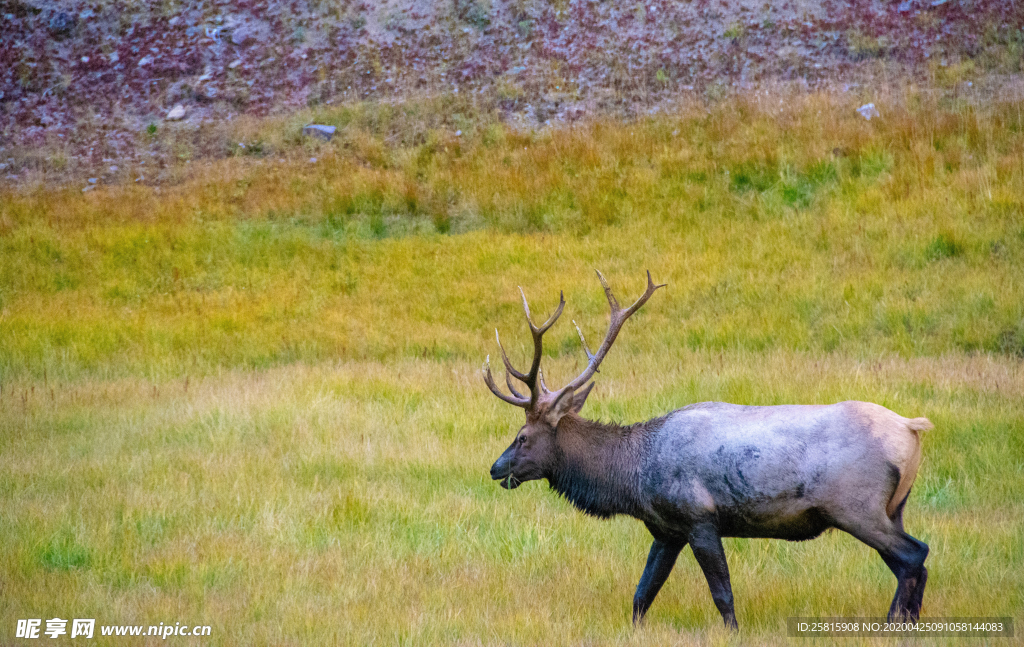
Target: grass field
x=252, y=399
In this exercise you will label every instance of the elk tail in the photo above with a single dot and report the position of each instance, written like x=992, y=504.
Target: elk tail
x=917, y=426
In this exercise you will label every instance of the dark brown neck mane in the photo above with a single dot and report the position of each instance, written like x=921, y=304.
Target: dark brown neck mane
x=598, y=464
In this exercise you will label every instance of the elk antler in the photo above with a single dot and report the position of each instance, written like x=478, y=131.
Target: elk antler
x=618, y=317
x=535, y=377
x=530, y=379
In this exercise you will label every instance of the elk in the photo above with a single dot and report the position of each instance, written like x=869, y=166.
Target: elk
x=713, y=470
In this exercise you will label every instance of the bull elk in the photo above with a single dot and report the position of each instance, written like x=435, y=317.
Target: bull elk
x=713, y=470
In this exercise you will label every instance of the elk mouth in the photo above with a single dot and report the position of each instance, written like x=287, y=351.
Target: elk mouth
x=502, y=470
x=510, y=482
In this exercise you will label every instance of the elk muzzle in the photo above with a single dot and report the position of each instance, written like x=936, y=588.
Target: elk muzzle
x=502, y=469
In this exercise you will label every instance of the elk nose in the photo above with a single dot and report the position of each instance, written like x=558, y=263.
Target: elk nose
x=500, y=468
x=497, y=472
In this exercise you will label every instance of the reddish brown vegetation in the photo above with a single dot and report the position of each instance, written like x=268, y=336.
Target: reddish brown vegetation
x=118, y=67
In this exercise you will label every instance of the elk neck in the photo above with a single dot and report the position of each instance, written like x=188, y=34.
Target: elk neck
x=598, y=465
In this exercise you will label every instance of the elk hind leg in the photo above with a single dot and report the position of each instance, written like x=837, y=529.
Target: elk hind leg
x=904, y=555
x=906, y=561
x=917, y=595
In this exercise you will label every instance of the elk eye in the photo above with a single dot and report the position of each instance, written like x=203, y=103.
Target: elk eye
x=522, y=440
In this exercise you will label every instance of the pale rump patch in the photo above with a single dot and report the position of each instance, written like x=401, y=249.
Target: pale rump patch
x=915, y=426
x=901, y=443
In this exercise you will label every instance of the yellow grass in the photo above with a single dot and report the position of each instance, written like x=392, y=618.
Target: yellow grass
x=350, y=502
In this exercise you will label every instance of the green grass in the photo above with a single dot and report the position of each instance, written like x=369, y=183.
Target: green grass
x=252, y=399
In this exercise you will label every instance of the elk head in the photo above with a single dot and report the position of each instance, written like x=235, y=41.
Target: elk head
x=533, y=453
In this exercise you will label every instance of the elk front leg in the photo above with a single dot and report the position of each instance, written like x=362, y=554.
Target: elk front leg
x=659, y=564
x=707, y=548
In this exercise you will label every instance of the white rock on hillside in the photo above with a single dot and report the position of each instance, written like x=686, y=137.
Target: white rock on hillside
x=177, y=113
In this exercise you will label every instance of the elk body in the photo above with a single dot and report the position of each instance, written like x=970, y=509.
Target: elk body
x=714, y=470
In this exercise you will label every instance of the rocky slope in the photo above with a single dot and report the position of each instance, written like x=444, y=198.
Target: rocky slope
x=90, y=76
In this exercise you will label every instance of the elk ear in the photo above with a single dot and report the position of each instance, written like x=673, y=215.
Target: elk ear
x=581, y=397
x=561, y=405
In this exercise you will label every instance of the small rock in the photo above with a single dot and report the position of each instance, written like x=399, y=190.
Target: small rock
x=235, y=63
x=145, y=60
x=93, y=180
x=320, y=132
x=241, y=35
x=113, y=57
x=868, y=110
x=177, y=113
x=88, y=188
x=312, y=160
x=113, y=169
x=458, y=133
x=62, y=25
x=85, y=59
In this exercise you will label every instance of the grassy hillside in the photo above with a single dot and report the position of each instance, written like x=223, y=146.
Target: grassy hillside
x=252, y=399
x=800, y=227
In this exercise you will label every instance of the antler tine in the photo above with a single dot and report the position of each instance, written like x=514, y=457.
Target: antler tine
x=512, y=389
x=651, y=287
x=508, y=364
x=617, y=319
x=551, y=320
x=583, y=341
x=608, y=292
x=511, y=399
x=543, y=387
